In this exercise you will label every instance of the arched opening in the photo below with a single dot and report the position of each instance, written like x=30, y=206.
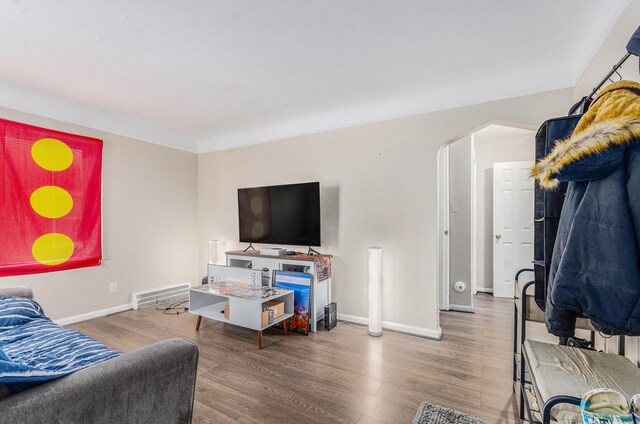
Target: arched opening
x=466, y=239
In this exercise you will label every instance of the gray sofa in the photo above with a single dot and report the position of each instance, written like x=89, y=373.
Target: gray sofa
x=154, y=384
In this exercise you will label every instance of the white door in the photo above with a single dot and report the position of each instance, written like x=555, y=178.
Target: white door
x=512, y=223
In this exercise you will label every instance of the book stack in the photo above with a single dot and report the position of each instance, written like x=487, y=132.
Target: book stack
x=271, y=311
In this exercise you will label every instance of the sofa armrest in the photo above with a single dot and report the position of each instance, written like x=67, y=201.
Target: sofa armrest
x=17, y=291
x=155, y=384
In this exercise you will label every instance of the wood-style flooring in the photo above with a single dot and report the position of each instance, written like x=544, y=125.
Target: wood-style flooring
x=337, y=376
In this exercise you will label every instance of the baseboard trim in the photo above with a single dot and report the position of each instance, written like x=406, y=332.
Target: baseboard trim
x=395, y=326
x=94, y=314
x=484, y=290
x=354, y=319
x=461, y=308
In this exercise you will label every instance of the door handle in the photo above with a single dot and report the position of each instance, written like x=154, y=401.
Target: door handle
x=498, y=236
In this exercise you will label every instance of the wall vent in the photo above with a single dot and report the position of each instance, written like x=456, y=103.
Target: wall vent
x=174, y=293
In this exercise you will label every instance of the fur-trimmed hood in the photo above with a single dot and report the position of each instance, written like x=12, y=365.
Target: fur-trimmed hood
x=612, y=120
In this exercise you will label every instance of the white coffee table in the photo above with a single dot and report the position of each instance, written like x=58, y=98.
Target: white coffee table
x=245, y=304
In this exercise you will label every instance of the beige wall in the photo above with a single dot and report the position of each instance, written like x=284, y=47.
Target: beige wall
x=488, y=152
x=379, y=188
x=460, y=222
x=149, y=226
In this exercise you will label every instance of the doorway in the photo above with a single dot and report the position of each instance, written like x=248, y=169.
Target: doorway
x=466, y=239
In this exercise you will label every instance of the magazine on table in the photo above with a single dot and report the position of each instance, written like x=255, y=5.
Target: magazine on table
x=243, y=290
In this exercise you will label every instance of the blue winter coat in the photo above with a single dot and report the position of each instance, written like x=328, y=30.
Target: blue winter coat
x=595, y=268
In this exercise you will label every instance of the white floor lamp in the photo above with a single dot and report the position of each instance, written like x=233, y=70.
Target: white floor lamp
x=375, y=291
x=216, y=252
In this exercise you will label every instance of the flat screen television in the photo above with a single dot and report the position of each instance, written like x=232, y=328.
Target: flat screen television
x=283, y=214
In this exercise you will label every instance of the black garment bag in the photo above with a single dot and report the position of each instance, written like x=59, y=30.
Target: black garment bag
x=548, y=204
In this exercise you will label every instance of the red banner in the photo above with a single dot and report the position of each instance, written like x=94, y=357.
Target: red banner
x=50, y=185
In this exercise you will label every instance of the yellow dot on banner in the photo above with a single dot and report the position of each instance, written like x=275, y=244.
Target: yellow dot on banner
x=52, y=249
x=257, y=230
x=51, y=201
x=256, y=205
x=52, y=154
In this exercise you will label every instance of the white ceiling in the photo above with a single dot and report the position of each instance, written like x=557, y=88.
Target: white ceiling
x=203, y=75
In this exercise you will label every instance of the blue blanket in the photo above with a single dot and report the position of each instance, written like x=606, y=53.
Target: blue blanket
x=33, y=349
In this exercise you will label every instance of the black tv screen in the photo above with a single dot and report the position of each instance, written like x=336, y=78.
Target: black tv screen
x=283, y=214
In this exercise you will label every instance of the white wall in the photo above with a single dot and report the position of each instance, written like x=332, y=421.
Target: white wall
x=611, y=51
x=488, y=152
x=460, y=222
x=149, y=226
x=379, y=188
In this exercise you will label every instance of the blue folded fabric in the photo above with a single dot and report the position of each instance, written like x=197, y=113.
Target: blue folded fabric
x=33, y=349
x=17, y=311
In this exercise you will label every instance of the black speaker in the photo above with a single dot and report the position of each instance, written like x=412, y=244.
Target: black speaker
x=330, y=316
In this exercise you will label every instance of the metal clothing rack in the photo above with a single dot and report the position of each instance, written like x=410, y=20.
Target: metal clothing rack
x=541, y=261
x=548, y=204
x=521, y=379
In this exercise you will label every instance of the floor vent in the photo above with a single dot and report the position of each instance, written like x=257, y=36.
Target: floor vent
x=173, y=293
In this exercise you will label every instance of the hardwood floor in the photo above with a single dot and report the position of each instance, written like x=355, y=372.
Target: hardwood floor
x=340, y=376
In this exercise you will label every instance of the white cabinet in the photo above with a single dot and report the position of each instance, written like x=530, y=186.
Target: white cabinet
x=317, y=265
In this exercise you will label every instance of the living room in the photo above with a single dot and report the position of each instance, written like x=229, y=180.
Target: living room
x=194, y=101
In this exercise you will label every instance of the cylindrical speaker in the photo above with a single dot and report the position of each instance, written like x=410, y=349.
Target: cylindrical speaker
x=216, y=252
x=375, y=291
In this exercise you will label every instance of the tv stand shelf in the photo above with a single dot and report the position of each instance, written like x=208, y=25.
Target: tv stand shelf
x=317, y=265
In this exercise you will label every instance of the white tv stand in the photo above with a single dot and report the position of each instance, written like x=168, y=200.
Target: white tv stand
x=317, y=265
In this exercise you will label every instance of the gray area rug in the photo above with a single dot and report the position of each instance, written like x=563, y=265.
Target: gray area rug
x=433, y=414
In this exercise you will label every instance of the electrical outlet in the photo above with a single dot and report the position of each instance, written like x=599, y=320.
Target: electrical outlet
x=113, y=287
